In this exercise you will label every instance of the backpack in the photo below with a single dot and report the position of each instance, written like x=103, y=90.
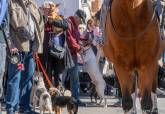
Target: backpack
x=20, y=19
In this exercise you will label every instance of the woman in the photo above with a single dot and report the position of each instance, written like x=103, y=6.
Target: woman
x=53, y=36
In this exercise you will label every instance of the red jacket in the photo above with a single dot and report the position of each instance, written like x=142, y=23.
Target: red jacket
x=73, y=36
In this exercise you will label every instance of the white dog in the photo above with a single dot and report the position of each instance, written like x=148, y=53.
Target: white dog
x=40, y=96
x=92, y=68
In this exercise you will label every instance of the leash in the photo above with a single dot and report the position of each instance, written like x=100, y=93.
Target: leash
x=39, y=65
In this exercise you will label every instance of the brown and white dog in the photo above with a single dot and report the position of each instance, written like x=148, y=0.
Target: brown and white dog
x=40, y=96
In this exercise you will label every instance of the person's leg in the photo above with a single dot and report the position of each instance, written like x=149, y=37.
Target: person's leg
x=74, y=82
x=2, y=66
x=26, y=82
x=13, y=91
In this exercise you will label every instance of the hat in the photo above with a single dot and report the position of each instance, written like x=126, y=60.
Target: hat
x=80, y=13
x=48, y=4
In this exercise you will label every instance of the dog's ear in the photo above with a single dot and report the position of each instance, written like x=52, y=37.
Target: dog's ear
x=35, y=80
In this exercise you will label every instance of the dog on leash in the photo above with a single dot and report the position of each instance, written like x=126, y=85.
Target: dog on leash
x=92, y=68
x=59, y=102
x=40, y=96
x=110, y=81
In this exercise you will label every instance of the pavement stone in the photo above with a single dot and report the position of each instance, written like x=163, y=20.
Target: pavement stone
x=95, y=109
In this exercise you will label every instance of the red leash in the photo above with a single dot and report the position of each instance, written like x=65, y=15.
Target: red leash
x=39, y=64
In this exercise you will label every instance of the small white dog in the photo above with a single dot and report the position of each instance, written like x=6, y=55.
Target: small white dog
x=40, y=96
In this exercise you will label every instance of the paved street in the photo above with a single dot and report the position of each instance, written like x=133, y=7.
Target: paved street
x=93, y=109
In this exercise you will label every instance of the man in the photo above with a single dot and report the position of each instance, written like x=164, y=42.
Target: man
x=71, y=25
x=73, y=37
x=26, y=38
x=4, y=30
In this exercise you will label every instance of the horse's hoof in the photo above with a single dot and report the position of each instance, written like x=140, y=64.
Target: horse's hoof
x=146, y=112
x=130, y=112
x=155, y=111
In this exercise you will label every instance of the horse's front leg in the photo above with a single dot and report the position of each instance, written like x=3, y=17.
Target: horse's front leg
x=154, y=95
x=147, y=86
x=126, y=81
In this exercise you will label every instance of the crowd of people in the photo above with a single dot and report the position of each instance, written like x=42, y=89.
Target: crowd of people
x=27, y=31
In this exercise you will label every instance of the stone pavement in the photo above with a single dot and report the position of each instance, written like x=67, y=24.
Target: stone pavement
x=94, y=109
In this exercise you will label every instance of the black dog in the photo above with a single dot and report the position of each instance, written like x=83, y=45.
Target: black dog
x=59, y=102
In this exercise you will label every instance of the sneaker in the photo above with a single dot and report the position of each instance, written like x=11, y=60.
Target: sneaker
x=10, y=112
x=27, y=112
x=118, y=104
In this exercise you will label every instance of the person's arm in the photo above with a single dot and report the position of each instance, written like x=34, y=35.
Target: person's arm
x=71, y=40
x=61, y=24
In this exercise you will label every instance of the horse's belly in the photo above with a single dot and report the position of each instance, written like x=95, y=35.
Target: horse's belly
x=132, y=53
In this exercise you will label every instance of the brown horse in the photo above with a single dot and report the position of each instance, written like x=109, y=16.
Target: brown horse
x=133, y=44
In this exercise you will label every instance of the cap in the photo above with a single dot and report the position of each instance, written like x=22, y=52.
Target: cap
x=48, y=4
x=80, y=13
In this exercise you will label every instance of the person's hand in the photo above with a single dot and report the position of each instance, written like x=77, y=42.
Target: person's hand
x=35, y=54
x=14, y=50
x=81, y=50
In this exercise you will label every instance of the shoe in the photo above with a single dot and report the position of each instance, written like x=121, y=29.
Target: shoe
x=118, y=104
x=27, y=112
x=21, y=111
x=32, y=112
x=10, y=112
x=80, y=103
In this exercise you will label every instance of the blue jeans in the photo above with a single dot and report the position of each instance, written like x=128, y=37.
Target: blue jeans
x=19, y=83
x=74, y=80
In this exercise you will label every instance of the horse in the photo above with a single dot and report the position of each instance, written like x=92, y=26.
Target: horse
x=133, y=44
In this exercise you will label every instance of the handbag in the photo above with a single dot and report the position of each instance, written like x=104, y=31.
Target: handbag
x=56, y=50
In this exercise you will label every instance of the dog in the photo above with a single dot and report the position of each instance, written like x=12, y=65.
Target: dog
x=110, y=82
x=40, y=96
x=92, y=68
x=59, y=102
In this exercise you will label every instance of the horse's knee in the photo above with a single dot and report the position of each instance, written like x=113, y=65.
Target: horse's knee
x=146, y=102
x=127, y=101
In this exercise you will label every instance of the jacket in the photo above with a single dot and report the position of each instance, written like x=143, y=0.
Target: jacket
x=73, y=36
x=18, y=18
